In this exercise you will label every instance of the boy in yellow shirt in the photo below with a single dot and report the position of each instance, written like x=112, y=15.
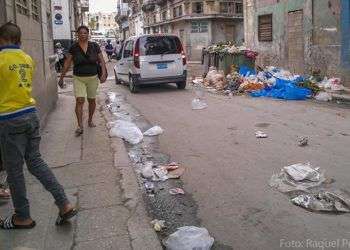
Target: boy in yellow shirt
x=19, y=133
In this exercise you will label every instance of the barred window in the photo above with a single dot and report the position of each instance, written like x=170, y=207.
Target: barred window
x=36, y=9
x=197, y=7
x=199, y=27
x=22, y=7
x=265, y=28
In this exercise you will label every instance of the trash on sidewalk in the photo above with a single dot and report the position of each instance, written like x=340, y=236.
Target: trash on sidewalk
x=301, y=172
x=287, y=182
x=324, y=97
x=198, y=104
x=161, y=174
x=149, y=186
x=127, y=131
x=176, y=173
x=324, y=201
x=175, y=191
x=111, y=97
x=147, y=170
x=260, y=134
x=189, y=238
x=158, y=225
x=156, y=130
x=304, y=141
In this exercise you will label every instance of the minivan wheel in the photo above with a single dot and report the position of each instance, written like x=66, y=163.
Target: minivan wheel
x=132, y=86
x=117, y=81
x=181, y=85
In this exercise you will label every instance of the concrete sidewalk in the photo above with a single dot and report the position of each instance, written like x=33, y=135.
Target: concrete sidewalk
x=97, y=178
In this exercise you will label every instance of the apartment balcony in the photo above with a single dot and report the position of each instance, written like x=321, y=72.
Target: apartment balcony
x=85, y=5
x=148, y=5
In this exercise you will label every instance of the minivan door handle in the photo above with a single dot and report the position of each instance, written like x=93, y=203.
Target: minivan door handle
x=121, y=64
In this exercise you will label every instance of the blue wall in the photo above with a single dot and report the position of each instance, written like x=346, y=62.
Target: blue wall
x=345, y=26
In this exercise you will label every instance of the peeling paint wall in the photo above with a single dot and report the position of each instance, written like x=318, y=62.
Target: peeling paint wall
x=323, y=38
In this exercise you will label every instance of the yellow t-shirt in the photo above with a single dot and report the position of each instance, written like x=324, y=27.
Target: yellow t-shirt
x=16, y=76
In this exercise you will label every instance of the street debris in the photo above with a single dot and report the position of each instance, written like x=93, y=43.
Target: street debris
x=154, y=131
x=301, y=172
x=147, y=170
x=198, y=104
x=127, y=131
x=175, y=191
x=149, y=186
x=189, y=238
x=302, y=142
x=158, y=225
x=297, y=177
x=260, y=134
x=324, y=201
x=161, y=174
x=324, y=97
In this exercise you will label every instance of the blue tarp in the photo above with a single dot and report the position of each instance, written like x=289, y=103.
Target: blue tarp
x=284, y=89
x=246, y=71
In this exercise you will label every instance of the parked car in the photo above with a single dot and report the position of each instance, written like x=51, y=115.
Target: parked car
x=151, y=59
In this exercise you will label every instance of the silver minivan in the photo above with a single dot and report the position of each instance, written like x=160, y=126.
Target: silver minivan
x=151, y=59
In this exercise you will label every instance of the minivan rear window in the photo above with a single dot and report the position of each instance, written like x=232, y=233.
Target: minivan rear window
x=158, y=45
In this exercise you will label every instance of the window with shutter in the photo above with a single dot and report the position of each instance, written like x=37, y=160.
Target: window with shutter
x=265, y=28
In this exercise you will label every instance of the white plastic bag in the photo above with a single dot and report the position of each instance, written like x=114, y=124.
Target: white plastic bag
x=323, y=96
x=127, y=131
x=147, y=170
x=156, y=130
x=189, y=238
x=301, y=172
x=198, y=104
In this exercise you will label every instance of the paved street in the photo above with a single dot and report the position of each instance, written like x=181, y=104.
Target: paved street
x=111, y=215
x=228, y=169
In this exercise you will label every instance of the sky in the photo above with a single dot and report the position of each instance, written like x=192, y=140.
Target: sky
x=103, y=5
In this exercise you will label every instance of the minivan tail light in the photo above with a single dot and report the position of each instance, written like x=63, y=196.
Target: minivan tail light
x=137, y=54
x=180, y=50
x=184, y=60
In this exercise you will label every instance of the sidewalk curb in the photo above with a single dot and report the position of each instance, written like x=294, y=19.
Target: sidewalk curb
x=141, y=233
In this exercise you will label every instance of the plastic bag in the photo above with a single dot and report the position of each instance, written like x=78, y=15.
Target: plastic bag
x=284, y=89
x=300, y=172
x=324, y=201
x=284, y=183
x=246, y=71
x=198, y=104
x=127, y=131
x=156, y=130
x=147, y=170
x=323, y=96
x=189, y=238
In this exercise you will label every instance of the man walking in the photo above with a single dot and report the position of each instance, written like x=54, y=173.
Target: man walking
x=19, y=133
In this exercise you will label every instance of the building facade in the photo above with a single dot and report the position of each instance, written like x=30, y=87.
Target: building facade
x=103, y=22
x=67, y=17
x=303, y=36
x=198, y=23
x=122, y=19
x=34, y=18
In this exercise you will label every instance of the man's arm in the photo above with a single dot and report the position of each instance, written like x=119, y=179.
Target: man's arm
x=102, y=62
x=67, y=64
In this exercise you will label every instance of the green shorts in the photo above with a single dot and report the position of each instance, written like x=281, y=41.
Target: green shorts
x=86, y=86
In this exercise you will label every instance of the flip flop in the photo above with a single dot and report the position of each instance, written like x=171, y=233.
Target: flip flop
x=8, y=224
x=79, y=132
x=4, y=194
x=61, y=219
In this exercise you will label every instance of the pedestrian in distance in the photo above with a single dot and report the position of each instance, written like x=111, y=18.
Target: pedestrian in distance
x=109, y=50
x=20, y=133
x=89, y=68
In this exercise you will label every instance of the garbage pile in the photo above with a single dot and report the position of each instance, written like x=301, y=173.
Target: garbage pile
x=230, y=48
x=270, y=82
x=154, y=176
x=302, y=181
